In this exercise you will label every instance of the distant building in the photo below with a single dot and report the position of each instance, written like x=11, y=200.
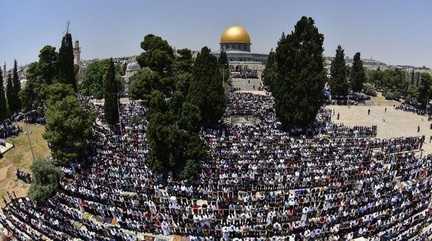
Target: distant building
x=131, y=69
x=77, y=53
x=245, y=67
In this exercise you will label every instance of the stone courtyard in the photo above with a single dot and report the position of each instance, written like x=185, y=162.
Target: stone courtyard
x=390, y=123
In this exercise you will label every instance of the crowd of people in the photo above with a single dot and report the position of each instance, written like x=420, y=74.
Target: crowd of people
x=326, y=182
x=410, y=108
x=8, y=128
x=23, y=175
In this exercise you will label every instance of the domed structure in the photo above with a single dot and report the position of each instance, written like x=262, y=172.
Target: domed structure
x=235, y=38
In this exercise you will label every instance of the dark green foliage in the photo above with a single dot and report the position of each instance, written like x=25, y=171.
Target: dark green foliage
x=10, y=94
x=175, y=146
x=48, y=64
x=189, y=118
x=338, y=71
x=158, y=55
x=3, y=103
x=45, y=180
x=93, y=83
x=369, y=89
x=57, y=92
x=13, y=87
x=111, y=95
x=206, y=88
x=143, y=83
x=424, y=90
x=391, y=81
x=223, y=60
x=31, y=93
x=298, y=89
x=184, y=61
x=68, y=128
x=66, y=62
x=270, y=70
x=39, y=75
x=16, y=88
x=358, y=74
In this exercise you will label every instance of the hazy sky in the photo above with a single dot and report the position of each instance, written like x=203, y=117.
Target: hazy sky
x=394, y=31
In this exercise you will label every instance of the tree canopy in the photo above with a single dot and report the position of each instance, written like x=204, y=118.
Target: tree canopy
x=111, y=95
x=68, y=125
x=338, y=71
x=93, y=82
x=158, y=55
x=66, y=69
x=40, y=74
x=269, y=73
x=298, y=88
x=358, y=74
x=163, y=83
x=45, y=180
x=206, y=88
x=3, y=102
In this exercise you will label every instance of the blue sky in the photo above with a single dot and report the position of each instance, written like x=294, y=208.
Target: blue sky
x=394, y=31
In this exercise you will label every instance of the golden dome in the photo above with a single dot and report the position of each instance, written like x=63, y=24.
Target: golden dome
x=235, y=34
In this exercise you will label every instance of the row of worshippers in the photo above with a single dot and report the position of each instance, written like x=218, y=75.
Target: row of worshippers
x=410, y=108
x=259, y=183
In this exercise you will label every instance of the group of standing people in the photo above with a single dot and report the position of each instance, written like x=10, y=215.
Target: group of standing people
x=325, y=182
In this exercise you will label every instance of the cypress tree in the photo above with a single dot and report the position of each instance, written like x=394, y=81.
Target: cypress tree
x=338, y=74
x=16, y=87
x=300, y=75
x=358, y=75
x=3, y=103
x=424, y=90
x=66, y=62
x=269, y=73
x=223, y=60
x=10, y=94
x=111, y=95
x=206, y=88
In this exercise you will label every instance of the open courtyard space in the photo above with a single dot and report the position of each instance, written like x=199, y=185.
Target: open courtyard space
x=390, y=123
x=215, y=121
x=20, y=157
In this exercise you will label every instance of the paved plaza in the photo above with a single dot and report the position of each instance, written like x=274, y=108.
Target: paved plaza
x=393, y=123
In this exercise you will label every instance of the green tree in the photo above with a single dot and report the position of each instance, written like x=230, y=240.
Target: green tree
x=3, y=103
x=45, y=180
x=16, y=87
x=48, y=69
x=66, y=62
x=424, y=90
x=39, y=75
x=338, y=71
x=190, y=117
x=68, y=129
x=93, y=83
x=57, y=92
x=143, y=83
x=176, y=148
x=358, y=74
x=158, y=55
x=270, y=70
x=298, y=89
x=111, y=96
x=184, y=61
x=206, y=88
x=10, y=94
